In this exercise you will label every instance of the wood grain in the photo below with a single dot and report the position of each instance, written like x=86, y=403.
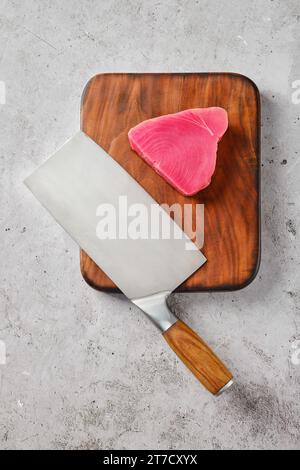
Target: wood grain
x=113, y=103
x=198, y=357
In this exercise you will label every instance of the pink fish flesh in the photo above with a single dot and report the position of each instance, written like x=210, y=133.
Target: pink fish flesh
x=182, y=147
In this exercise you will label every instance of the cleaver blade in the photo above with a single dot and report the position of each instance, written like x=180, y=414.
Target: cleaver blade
x=80, y=183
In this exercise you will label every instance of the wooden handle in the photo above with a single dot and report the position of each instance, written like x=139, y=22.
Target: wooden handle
x=198, y=357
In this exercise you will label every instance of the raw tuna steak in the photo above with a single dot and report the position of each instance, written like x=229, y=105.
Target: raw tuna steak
x=182, y=147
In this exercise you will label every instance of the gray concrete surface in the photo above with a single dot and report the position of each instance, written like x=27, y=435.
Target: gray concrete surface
x=85, y=369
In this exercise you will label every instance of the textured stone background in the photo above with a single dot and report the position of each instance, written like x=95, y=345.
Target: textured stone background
x=85, y=369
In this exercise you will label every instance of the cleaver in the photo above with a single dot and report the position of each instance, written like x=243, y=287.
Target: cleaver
x=85, y=190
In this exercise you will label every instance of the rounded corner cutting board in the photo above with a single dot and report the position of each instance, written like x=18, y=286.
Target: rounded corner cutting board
x=113, y=103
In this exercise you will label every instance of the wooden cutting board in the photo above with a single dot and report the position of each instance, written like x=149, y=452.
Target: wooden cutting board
x=113, y=103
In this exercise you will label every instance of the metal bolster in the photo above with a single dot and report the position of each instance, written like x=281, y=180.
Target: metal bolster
x=156, y=308
x=226, y=387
